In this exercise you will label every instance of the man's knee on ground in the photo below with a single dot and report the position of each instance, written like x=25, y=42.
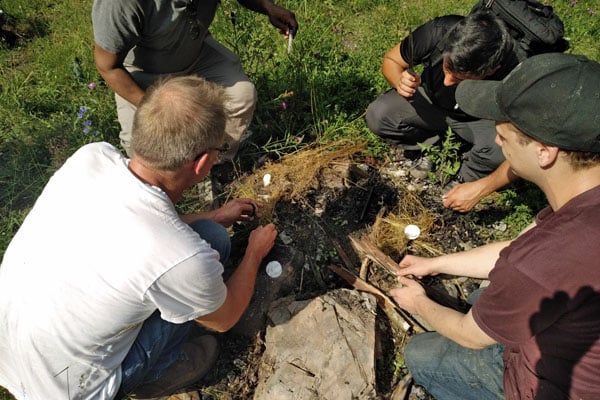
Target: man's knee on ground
x=375, y=115
x=423, y=352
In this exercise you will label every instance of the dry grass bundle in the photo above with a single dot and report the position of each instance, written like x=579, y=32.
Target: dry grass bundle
x=296, y=174
x=387, y=232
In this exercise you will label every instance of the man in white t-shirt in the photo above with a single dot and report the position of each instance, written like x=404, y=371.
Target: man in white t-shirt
x=103, y=282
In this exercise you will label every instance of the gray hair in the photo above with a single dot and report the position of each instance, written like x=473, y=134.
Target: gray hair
x=178, y=119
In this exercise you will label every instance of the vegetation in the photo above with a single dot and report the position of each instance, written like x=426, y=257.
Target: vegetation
x=54, y=101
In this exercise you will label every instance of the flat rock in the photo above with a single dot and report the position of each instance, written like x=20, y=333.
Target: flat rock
x=322, y=348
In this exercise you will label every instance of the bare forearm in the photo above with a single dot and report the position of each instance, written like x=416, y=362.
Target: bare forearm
x=240, y=288
x=260, y=6
x=110, y=66
x=392, y=72
x=393, y=65
x=502, y=176
x=456, y=326
x=123, y=84
x=475, y=263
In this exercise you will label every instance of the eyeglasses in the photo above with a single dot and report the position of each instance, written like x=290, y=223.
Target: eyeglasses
x=223, y=149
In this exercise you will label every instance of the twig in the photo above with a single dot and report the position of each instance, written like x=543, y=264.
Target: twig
x=341, y=253
x=397, y=316
x=369, y=250
x=364, y=268
x=402, y=389
x=372, y=252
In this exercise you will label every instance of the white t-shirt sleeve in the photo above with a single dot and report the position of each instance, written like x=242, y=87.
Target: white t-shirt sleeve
x=191, y=289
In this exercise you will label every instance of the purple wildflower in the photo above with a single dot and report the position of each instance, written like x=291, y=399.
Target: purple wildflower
x=87, y=122
x=591, y=11
x=284, y=105
x=572, y=3
x=91, y=85
x=83, y=109
x=86, y=130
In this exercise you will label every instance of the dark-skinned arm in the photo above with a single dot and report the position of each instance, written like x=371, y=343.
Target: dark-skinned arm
x=110, y=66
x=281, y=18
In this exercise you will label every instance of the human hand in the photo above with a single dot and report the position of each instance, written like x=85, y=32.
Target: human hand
x=408, y=83
x=261, y=240
x=408, y=294
x=237, y=210
x=282, y=19
x=416, y=266
x=464, y=197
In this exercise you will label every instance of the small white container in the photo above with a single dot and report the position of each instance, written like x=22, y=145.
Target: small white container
x=412, y=232
x=266, y=180
x=274, y=269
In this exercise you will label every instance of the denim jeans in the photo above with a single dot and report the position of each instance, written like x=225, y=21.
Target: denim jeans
x=450, y=371
x=159, y=342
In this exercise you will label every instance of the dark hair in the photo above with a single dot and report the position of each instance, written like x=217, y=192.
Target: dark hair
x=477, y=44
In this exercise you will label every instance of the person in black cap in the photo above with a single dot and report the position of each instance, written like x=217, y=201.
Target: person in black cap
x=534, y=332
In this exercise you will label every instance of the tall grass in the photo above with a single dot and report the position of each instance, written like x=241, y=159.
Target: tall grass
x=317, y=92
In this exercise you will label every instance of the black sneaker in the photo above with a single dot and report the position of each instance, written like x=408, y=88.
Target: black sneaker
x=457, y=180
x=197, y=357
x=421, y=168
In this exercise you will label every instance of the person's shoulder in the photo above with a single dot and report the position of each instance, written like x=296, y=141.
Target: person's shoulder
x=98, y=149
x=439, y=25
x=447, y=21
x=101, y=9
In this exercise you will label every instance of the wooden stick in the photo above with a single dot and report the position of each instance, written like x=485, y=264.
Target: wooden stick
x=368, y=249
x=364, y=267
x=402, y=389
x=342, y=254
x=398, y=317
x=365, y=247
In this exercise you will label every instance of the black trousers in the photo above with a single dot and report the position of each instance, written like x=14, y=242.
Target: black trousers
x=418, y=120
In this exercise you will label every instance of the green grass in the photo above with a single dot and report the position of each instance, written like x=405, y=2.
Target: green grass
x=326, y=82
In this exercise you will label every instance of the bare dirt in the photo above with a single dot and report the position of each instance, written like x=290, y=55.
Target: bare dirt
x=318, y=228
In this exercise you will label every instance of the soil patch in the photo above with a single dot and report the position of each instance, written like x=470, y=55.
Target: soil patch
x=315, y=229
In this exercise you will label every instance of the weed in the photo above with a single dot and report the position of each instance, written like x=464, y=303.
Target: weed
x=445, y=158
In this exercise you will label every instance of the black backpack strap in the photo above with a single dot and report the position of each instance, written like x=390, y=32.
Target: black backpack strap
x=534, y=25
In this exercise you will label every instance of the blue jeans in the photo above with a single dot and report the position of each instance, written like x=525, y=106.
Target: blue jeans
x=159, y=342
x=450, y=371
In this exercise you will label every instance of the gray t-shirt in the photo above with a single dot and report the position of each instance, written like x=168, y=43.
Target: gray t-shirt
x=159, y=36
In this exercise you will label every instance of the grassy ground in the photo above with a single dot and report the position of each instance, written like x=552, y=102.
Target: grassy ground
x=317, y=92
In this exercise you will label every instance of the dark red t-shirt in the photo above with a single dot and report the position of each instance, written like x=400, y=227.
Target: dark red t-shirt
x=543, y=304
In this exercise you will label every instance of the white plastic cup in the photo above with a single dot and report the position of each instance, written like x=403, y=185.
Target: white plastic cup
x=266, y=179
x=412, y=232
x=274, y=269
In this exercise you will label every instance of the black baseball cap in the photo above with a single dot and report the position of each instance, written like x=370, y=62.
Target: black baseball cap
x=553, y=98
